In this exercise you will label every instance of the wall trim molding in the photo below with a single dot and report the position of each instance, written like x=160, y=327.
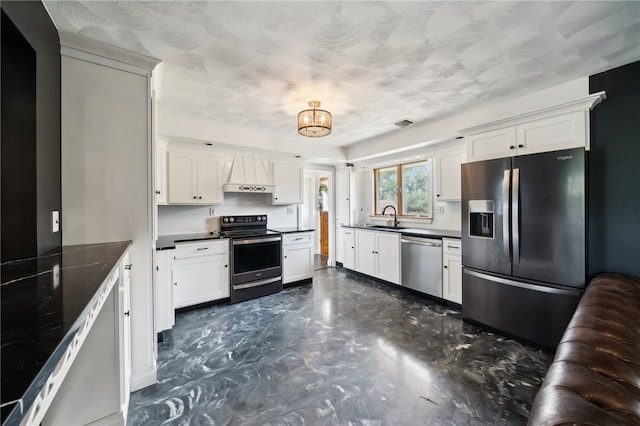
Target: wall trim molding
x=582, y=104
x=78, y=47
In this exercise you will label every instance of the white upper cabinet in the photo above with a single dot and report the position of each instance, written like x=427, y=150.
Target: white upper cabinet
x=559, y=127
x=288, y=179
x=448, y=180
x=194, y=178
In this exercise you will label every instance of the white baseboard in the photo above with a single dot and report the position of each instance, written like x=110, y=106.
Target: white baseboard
x=117, y=419
x=143, y=378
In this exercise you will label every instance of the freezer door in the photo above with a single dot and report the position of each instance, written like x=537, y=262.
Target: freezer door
x=548, y=217
x=536, y=313
x=485, y=215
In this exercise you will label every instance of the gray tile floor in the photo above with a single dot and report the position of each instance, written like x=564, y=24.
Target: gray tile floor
x=343, y=351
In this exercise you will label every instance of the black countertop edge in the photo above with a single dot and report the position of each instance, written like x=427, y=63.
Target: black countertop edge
x=168, y=242
x=435, y=233
x=71, y=258
x=292, y=229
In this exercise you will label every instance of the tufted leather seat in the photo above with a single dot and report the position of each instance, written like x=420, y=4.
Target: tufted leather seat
x=595, y=376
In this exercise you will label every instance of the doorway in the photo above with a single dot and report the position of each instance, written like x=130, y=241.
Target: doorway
x=323, y=206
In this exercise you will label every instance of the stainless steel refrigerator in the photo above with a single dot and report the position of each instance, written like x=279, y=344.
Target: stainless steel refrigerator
x=524, y=243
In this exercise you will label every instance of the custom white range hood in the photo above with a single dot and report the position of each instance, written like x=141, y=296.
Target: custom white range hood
x=249, y=174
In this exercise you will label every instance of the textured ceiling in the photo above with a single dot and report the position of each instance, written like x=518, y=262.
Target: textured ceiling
x=256, y=64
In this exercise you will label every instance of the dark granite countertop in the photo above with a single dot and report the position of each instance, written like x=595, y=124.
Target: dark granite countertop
x=416, y=232
x=292, y=229
x=44, y=301
x=168, y=242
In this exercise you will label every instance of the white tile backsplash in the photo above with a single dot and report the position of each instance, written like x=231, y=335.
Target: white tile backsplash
x=175, y=219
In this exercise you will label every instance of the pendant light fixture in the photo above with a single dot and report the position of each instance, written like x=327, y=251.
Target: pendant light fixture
x=314, y=122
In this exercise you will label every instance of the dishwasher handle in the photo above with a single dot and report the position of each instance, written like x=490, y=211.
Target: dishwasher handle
x=420, y=243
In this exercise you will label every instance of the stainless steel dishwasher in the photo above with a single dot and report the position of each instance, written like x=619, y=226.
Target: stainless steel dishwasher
x=422, y=264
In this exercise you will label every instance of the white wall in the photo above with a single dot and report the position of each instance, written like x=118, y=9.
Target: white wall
x=194, y=219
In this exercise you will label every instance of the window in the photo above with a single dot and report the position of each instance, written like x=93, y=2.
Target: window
x=407, y=187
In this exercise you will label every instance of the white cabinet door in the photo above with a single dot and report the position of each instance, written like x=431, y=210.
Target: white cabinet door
x=220, y=285
x=366, y=260
x=200, y=273
x=194, y=179
x=349, y=253
x=343, y=209
x=125, y=353
x=297, y=263
x=160, y=172
x=209, y=182
x=451, y=270
x=340, y=238
x=449, y=182
x=297, y=256
x=182, y=178
x=164, y=311
x=388, y=256
x=288, y=180
x=492, y=144
x=554, y=133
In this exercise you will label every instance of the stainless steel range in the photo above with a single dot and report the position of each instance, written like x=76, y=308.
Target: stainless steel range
x=256, y=265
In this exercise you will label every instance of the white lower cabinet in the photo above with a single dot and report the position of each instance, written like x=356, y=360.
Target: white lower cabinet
x=378, y=254
x=340, y=236
x=349, y=244
x=297, y=257
x=124, y=289
x=451, y=270
x=164, y=311
x=200, y=272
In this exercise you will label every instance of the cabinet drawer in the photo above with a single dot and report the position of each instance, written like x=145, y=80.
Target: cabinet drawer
x=451, y=246
x=297, y=238
x=187, y=250
x=349, y=234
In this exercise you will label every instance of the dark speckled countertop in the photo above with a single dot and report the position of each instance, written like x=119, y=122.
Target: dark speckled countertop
x=168, y=242
x=44, y=301
x=433, y=233
x=292, y=229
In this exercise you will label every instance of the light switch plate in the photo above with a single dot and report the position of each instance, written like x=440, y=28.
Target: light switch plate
x=440, y=209
x=212, y=211
x=55, y=221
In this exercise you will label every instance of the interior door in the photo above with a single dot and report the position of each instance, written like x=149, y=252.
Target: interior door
x=549, y=227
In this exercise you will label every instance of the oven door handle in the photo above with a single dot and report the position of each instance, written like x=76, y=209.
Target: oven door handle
x=255, y=240
x=256, y=283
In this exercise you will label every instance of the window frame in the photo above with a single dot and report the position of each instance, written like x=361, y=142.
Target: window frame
x=399, y=167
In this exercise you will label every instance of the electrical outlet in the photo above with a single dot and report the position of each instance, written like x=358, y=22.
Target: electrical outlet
x=440, y=209
x=55, y=221
x=290, y=210
x=212, y=211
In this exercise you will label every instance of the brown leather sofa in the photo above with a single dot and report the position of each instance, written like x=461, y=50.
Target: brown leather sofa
x=595, y=376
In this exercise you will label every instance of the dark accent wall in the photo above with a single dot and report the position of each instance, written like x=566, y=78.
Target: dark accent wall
x=614, y=173
x=30, y=122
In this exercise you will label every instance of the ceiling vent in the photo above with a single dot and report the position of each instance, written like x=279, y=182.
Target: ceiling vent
x=404, y=123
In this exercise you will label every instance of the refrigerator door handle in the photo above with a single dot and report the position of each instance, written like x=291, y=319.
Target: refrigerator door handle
x=505, y=212
x=515, y=211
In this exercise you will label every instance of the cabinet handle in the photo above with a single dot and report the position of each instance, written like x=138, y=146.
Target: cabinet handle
x=226, y=266
x=285, y=257
x=298, y=239
x=128, y=267
x=453, y=247
x=195, y=198
x=520, y=146
x=200, y=198
x=126, y=314
x=202, y=248
x=437, y=195
x=158, y=192
x=512, y=147
x=176, y=283
x=445, y=266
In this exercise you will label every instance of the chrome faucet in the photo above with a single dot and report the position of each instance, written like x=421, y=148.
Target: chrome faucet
x=395, y=214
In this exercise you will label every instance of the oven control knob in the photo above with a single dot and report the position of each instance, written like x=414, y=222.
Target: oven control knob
x=258, y=218
x=225, y=219
x=264, y=218
x=230, y=219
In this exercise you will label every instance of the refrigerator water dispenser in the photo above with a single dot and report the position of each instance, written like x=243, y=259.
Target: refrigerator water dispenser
x=481, y=219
